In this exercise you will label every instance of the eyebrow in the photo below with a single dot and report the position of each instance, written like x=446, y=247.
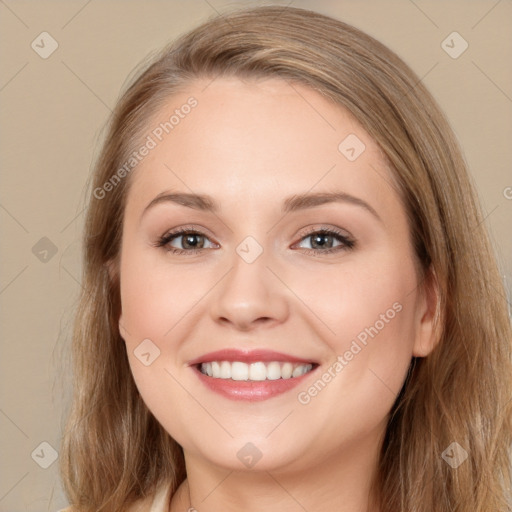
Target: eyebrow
x=293, y=203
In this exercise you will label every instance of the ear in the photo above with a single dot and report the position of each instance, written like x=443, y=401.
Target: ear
x=112, y=267
x=428, y=315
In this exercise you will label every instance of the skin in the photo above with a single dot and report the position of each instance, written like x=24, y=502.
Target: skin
x=250, y=145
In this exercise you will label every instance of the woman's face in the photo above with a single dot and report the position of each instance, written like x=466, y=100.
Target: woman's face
x=262, y=222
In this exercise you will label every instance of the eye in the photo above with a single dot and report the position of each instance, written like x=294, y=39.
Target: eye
x=189, y=241
x=318, y=241
x=326, y=241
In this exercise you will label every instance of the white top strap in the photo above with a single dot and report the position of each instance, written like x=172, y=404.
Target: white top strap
x=161, y=500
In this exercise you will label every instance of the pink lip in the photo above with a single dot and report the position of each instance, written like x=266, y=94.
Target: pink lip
x=248, y=356
x=250, y=391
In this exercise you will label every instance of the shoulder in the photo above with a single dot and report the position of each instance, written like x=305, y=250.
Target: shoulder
x=142, y=505
x=156, y=503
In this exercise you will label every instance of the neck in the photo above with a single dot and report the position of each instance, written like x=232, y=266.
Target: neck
x=340, y=481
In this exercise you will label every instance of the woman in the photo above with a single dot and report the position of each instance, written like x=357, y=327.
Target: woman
x=290, y=301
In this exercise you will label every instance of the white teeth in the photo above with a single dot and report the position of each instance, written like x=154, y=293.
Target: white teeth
x=273, y=371
x=297, y=372
x=239, y=371
x=258, y=371
x=286, y=370
x=225, y=370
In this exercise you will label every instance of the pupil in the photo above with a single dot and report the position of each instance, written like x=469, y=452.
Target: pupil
x=191, y=241
x=319, y=240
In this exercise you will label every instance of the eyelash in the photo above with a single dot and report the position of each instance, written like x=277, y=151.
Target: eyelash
x=347, y=242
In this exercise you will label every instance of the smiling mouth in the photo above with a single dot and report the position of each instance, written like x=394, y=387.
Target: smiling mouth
x=256, y=371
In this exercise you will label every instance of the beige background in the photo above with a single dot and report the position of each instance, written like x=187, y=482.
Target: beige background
x=53, y=110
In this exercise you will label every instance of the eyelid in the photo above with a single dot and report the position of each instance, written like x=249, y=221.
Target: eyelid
x=188, y=228
x=320, y=228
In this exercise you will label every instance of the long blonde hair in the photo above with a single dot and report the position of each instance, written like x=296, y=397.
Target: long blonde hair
x=115, y=452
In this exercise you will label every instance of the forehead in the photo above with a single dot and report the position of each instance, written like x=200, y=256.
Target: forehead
x=247, y=140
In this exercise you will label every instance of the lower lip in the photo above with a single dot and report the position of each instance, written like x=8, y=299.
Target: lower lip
x=250, y=391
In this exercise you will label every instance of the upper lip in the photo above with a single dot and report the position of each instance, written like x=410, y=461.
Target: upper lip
x=248, y=356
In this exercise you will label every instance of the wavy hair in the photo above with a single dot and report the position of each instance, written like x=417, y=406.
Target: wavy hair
x=114, y=452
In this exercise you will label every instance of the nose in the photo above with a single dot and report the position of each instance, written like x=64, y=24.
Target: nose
x=250, y=295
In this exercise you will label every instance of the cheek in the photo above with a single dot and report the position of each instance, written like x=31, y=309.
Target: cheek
x=161, y=303
x=149, y=309
x=153, y=301
x=359, y=296
x=371, y=310
x=368, y=310
x=153, y=297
